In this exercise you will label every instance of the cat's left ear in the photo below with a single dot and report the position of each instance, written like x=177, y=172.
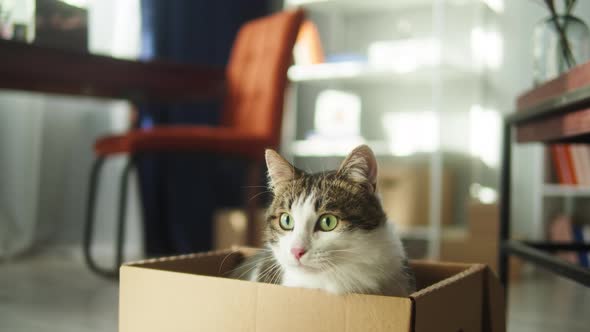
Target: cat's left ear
x=279, y=169
x=361, y=167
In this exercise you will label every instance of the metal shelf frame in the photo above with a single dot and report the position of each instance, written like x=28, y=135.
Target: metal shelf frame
x=538, y=253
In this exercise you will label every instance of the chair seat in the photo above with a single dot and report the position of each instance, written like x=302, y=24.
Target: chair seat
x=184, y=138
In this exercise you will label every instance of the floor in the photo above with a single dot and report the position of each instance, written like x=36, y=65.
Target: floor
x=55, y=292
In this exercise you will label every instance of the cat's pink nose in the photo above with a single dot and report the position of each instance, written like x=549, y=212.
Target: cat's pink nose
x=298, y=252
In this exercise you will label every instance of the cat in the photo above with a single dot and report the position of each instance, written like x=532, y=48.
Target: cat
x=329, y=231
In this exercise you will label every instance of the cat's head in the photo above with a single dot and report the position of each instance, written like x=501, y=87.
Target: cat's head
x=317, y=221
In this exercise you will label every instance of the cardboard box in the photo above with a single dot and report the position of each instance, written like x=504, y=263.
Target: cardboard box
x=185, y=293
x=230, y=228
x=405, y=193
x=484, y=220
x=468, y=249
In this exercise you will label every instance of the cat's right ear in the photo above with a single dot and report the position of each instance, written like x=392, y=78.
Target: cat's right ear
x=361, y=167
x=279, y=169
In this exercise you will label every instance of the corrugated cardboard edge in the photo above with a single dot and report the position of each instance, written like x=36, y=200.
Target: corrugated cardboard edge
x=246, y=251
x=494, y=305
x=469, y=269
x=151, y=261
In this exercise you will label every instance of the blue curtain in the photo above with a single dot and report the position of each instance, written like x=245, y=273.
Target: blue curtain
x=180, y=191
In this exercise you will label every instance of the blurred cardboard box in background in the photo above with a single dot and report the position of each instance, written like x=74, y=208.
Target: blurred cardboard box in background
x=230, y=228
x=405, y=194
x=479, y=244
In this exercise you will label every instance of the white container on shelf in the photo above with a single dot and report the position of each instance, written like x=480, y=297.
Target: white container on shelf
x=337, y=114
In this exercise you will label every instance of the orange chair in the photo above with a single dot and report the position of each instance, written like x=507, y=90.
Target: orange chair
x=256, y=77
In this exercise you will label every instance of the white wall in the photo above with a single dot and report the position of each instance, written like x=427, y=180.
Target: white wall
x=20, y=140
x=46, y=150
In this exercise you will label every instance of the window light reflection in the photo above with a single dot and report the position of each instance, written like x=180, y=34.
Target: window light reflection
x=411, y=132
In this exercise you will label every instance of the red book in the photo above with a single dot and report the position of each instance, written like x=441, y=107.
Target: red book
x=580, y=165
x=570, y=164
x=553, y=150
x=560, y=162
x=584, y=152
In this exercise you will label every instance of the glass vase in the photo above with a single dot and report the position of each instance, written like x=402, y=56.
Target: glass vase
x=554, y=52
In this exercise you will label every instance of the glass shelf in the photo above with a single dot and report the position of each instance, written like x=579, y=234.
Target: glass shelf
x=365, y=6
x=335, y=147
x=559, y=190
x=358, y=6
x=364, y=72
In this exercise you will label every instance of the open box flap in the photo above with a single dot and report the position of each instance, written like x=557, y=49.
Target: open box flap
x=494, y=303
x=449, y=304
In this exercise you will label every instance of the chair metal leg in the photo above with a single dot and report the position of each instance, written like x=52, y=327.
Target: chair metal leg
x=89, y=224
x=504, y=231
x=120, y=235
x=90, y=214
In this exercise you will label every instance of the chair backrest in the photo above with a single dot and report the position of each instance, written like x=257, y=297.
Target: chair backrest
x=257, y=74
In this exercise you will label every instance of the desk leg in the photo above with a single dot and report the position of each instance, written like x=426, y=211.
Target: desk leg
x=505, y=182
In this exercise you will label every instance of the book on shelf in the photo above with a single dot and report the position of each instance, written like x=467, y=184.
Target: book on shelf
x=579, y=237
x=562, y=229
x=571, y=163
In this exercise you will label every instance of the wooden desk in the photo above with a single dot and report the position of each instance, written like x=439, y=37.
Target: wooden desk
x=558, y=111
x=41, y=69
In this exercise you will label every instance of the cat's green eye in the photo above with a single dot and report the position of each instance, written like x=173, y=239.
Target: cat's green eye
x=286, y=222
x=328, y=222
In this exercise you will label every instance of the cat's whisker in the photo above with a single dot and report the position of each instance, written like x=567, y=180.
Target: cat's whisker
x=265, y=249
x=258, y=194
x=268, y=272
x=251, y=265
x=260, y=260
x=345, y=281
x=277, y=276
x=223, y=260
x=246, y=272
x=262, y=274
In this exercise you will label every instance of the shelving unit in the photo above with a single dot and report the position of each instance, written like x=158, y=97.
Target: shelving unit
x=555, y=112
x=448, y=82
